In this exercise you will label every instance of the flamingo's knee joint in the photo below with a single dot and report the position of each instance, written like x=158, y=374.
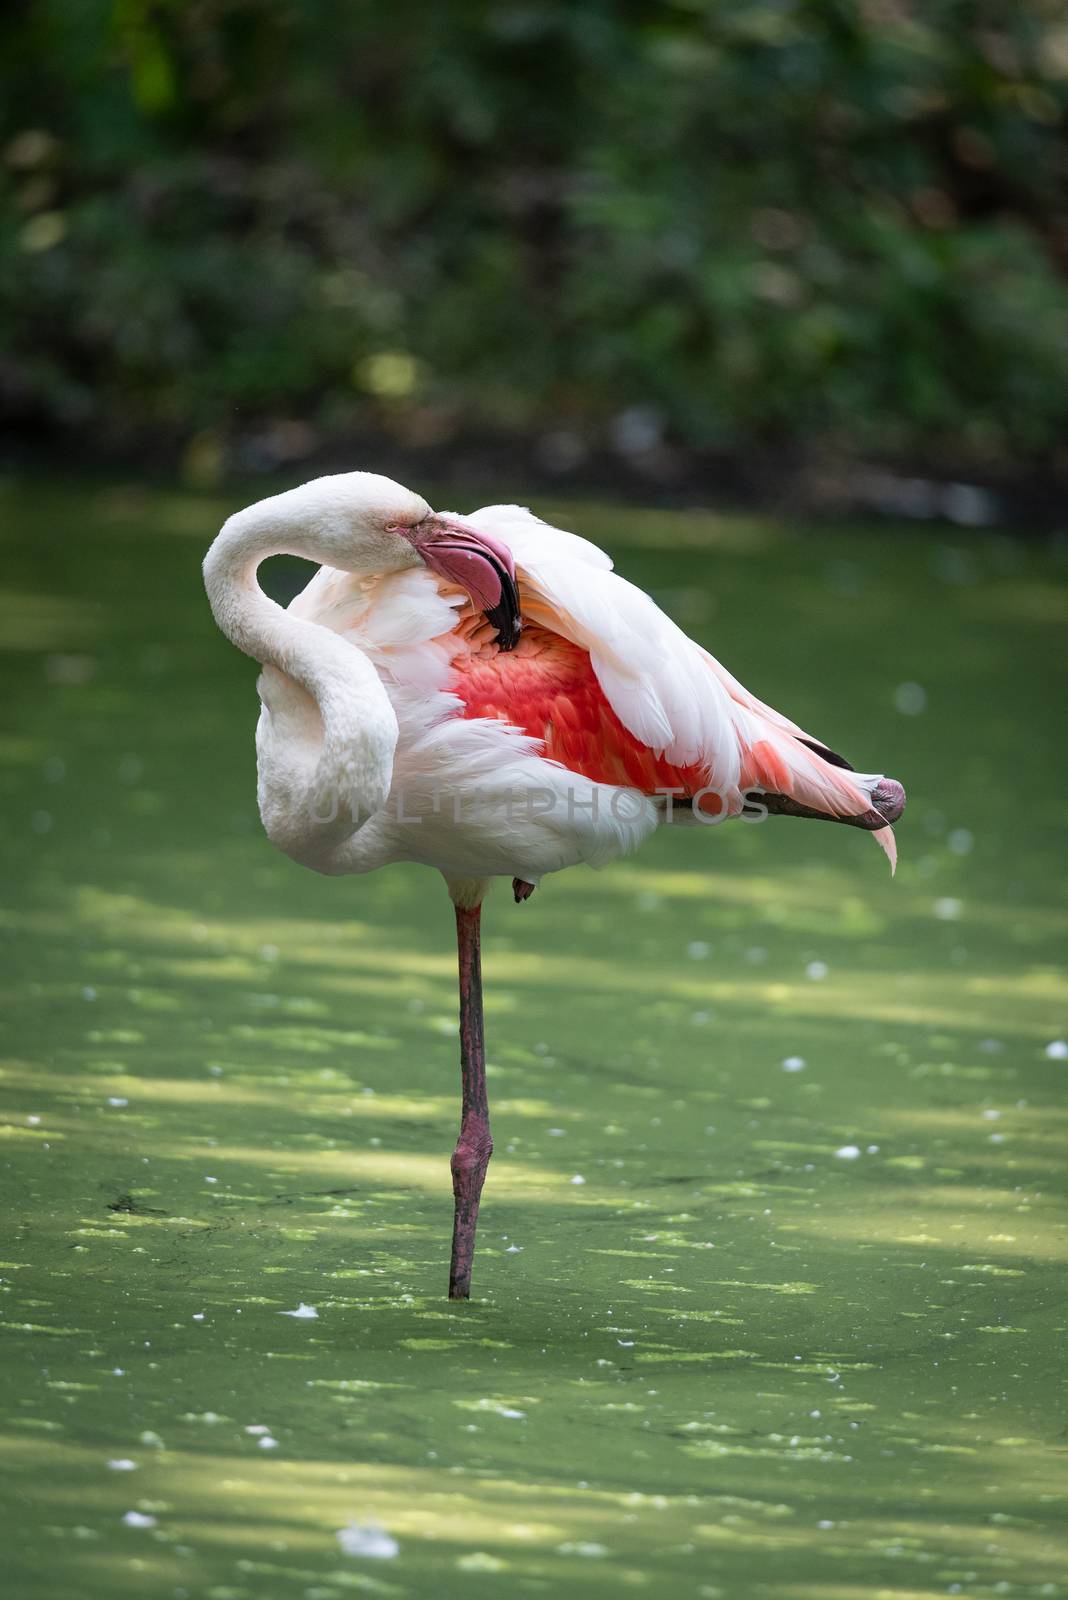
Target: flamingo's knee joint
x=471, y=1157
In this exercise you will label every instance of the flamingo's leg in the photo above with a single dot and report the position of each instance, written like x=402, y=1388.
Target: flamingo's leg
x=475, y=1145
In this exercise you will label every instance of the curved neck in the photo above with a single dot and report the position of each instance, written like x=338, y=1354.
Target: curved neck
x=350, y=776
x=249, y=619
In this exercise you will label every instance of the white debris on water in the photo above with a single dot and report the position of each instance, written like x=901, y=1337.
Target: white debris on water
x=1057, y=1050
x=138, y=1519
x=481, y=1561
x=794, y=1064
x=816, y=971
x=306, y=1313
x=848, y=1152
x=370, y=1541
x=122, y=1464
x=578, y=1178
x=267, y=1442
x=948, y=909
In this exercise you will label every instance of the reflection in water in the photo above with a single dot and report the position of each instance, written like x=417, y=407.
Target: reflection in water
x=710, y=1354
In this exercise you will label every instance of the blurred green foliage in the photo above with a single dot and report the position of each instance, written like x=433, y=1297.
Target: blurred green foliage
x=843, y=221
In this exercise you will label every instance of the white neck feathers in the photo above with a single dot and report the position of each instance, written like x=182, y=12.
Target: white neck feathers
x=350, y=777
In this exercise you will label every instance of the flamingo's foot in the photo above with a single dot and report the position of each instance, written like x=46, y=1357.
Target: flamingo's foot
x=522, y=890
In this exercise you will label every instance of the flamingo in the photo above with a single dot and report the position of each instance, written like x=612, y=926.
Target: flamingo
x=484, y=695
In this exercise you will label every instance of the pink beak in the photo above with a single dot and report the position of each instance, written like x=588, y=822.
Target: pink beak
x=475, y=562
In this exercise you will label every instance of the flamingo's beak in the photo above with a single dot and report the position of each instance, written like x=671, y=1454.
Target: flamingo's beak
x=476, y=563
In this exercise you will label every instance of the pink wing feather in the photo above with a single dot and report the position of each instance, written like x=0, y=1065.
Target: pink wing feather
x=669, y=693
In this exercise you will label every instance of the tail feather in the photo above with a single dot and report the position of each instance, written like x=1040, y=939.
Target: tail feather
x=776, y=760
x=884, y=838
x=814, y=779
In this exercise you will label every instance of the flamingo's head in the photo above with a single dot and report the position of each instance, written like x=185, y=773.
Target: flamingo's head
x=375, y=525
x=472, y=560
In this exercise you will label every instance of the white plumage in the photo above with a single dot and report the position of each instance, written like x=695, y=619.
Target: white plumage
x=327, y=735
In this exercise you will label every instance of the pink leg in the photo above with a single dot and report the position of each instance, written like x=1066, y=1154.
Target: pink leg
x=474, y=1146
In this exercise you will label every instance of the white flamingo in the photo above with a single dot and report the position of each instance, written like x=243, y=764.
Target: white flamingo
x=484, y=695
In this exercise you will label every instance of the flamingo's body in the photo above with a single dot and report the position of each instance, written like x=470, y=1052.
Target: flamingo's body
x=407, y=718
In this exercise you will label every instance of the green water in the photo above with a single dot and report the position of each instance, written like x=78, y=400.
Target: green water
x=728, y=1361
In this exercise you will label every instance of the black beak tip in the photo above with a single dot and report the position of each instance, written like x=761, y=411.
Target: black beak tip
x=505, y=615
x=509, y=628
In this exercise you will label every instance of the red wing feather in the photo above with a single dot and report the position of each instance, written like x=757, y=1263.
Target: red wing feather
x=548, y=688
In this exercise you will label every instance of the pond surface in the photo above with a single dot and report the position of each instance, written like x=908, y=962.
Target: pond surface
x=770, y=1290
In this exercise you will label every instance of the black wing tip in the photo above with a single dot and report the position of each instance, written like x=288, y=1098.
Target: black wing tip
x=829, y=756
